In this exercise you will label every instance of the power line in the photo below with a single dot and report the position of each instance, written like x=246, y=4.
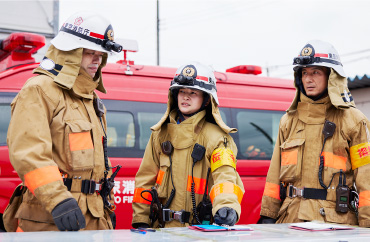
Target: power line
x=358, y=59
x=356, y=52
x=196, y=12
x=213, y=15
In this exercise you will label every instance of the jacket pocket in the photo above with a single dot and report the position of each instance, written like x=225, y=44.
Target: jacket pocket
x=34, y=212
x=163, y=177
x=9, y=218
x=291, y=159
x=334, y=217
x=283, y=212
x=95, y=204
x=79, y=145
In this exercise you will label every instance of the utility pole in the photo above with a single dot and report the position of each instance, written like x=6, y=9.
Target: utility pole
x=157, y=32
x=56, y=17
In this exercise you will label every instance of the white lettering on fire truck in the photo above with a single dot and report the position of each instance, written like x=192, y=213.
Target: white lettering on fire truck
x=123, y=191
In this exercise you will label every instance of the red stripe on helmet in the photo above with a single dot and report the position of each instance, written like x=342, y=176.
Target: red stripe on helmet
x=322, y=55
x=203, y=78
x=96, y=35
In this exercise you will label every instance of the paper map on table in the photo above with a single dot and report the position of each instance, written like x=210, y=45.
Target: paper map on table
x=217, y=228
x=312, y=226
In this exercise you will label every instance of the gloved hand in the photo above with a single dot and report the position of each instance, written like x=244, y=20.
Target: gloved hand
x=67, y=215
x=140, y=225
x=266, y=220
x=113, y=219
x=226, y=216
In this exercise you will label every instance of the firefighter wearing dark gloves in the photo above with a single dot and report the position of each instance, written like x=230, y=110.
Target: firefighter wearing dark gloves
x=320, y=166
x=55, y=134
x=188, y=173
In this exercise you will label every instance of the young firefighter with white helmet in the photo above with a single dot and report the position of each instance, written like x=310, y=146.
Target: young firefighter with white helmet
x=55, y=135
x=188, y=173
x=320, y=166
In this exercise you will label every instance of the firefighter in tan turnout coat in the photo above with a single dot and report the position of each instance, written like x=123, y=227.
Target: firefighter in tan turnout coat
x=320, y=166
x=55, y=134
x=192, y=123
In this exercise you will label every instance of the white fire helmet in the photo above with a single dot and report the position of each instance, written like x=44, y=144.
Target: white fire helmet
x=197, y=76
x=319, y=53
x=86, y=30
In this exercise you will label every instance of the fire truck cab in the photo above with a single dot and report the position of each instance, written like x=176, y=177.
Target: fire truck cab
x=136, y=99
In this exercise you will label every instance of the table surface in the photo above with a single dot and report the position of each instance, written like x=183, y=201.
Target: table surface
x=261, y=232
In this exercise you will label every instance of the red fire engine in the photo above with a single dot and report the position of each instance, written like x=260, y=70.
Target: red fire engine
x=136, y=99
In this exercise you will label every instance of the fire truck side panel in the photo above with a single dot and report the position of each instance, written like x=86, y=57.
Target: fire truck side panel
x=252, y=104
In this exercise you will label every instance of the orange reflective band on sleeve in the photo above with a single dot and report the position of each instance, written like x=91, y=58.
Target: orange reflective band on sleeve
x=137, y=196
x=80, y=141
x=42, y=176
x=221, y=157
x=360, y=155
x=226, y=187
x=289, y=157
x=272, y=190
x=19, y=230
x=334, y=161
x=364, y=199
x=160, y=177
x=200, y=185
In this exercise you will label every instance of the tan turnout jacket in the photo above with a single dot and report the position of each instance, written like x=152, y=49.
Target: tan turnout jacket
x=55, y=131
x=296, y=158
x=225, y=187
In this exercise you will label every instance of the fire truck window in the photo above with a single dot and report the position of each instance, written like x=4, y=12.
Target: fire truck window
x=258, y=131
x=146, y=120
x=120, y=129
x=4, y=122
x=223, y=116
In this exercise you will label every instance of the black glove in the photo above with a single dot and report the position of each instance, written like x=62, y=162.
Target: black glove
x=266, y=220
x=113, y=219
x=140, y=225
x=226, y=216
x=67, y=215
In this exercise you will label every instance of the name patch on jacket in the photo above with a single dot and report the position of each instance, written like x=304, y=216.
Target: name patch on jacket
x=221, y=157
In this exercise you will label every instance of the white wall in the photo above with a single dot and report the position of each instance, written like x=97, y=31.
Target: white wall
x=32, y=15
x=35, y=16
x=362, y=99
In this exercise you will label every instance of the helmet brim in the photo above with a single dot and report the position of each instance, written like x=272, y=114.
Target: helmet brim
x=338, y=69
x=74, y=43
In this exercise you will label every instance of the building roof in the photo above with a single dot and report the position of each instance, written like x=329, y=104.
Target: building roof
x=358, y=82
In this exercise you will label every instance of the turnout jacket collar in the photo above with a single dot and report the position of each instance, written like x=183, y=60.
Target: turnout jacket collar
x=184, y=136
x=338, y=92
x=313, y=112
x=215, y=115
x=70, y=64
x=84, y=85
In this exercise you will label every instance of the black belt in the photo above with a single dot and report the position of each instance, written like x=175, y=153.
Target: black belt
x=308, y=193
x=87, y=186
